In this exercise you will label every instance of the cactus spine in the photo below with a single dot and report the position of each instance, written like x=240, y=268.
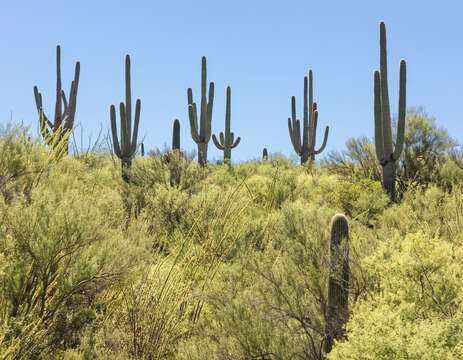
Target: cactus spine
x=338, y=283
x=227, y=141
x=388, y=155
x=202, y=136
x=128, y=145
x=176, y=135
x=63, y=121
x=306, y=149
x=264, y=155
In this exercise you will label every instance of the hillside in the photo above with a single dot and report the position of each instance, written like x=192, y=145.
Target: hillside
x=226, y=262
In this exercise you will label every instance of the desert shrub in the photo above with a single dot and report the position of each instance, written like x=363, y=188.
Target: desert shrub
x=415, y=313
x=425, y=147
x=362, y=200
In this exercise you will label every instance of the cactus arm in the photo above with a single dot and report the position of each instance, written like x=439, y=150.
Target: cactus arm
x=222, y=139
x=306, y=118
x=73, y=95
x=65, y=102
x=193, y=122
x=125, y=140
x=117, y=149
x=402, y=109
x=210, y=105
x=235, y=144
x=378, y=118
x=217, y=143
x=58, y=112
x=313, y=127
x=190, y=96
x=135, y=127
x=295, y=132
x=128, y=95
x=325, y=139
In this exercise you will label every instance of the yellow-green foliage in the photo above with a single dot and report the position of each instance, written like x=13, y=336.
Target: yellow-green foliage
x=219, y=262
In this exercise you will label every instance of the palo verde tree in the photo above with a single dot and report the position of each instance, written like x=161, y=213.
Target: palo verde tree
x=128, y=145
x=201, y=135
x=227, y=141
x=306, y=149
x=386, y=152
x=63, y=121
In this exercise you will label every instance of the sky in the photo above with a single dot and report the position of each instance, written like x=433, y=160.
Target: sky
x=262, y=49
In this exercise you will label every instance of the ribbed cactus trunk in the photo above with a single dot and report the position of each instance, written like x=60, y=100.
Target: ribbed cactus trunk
x=389, y=176
x=202, y=153
x=338, y=284
x=126, y=164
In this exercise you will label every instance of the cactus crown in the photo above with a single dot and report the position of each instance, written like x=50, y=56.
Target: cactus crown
x=305, y=147
x=227, y=140
x=63, y=120
x=128, y=145
x=383, y=133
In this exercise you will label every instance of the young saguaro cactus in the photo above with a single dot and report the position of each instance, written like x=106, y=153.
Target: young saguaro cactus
x=63, y=121
x=338, y=283
x=386, y=153
x=176, y=135
x=202, y=136
x=127, y=148
x=227, y=141
x=306, y=148
x=264, y=155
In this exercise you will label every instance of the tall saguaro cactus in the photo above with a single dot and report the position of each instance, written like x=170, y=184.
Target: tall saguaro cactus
x=306, y=148
x=202, y=136
x=338, y=283
x=127, y=148
x=227, y=141
x=386, y=153
x=63, y=121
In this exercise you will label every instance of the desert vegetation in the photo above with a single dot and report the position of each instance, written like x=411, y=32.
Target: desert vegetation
x=117, y=254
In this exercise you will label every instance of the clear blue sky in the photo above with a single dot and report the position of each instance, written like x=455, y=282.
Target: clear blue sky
x=262, y=49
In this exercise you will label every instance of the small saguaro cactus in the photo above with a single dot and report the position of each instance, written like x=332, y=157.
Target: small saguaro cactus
x=338, y=283
x=386, y=153
x=306, y=148
x=63, y=121
x=128, y=145
x=264, y=155
x=176, y=135
x=201, y=137
x=227, y=141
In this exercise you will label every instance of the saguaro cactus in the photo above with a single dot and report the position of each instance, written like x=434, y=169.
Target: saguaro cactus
x=264, y=155
x=202, y=136
x=227, y=141
x=338, y=283
x=306, y=149
x=128, y=145
x=63, y=121
x=386, y=153
x=176, y=135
